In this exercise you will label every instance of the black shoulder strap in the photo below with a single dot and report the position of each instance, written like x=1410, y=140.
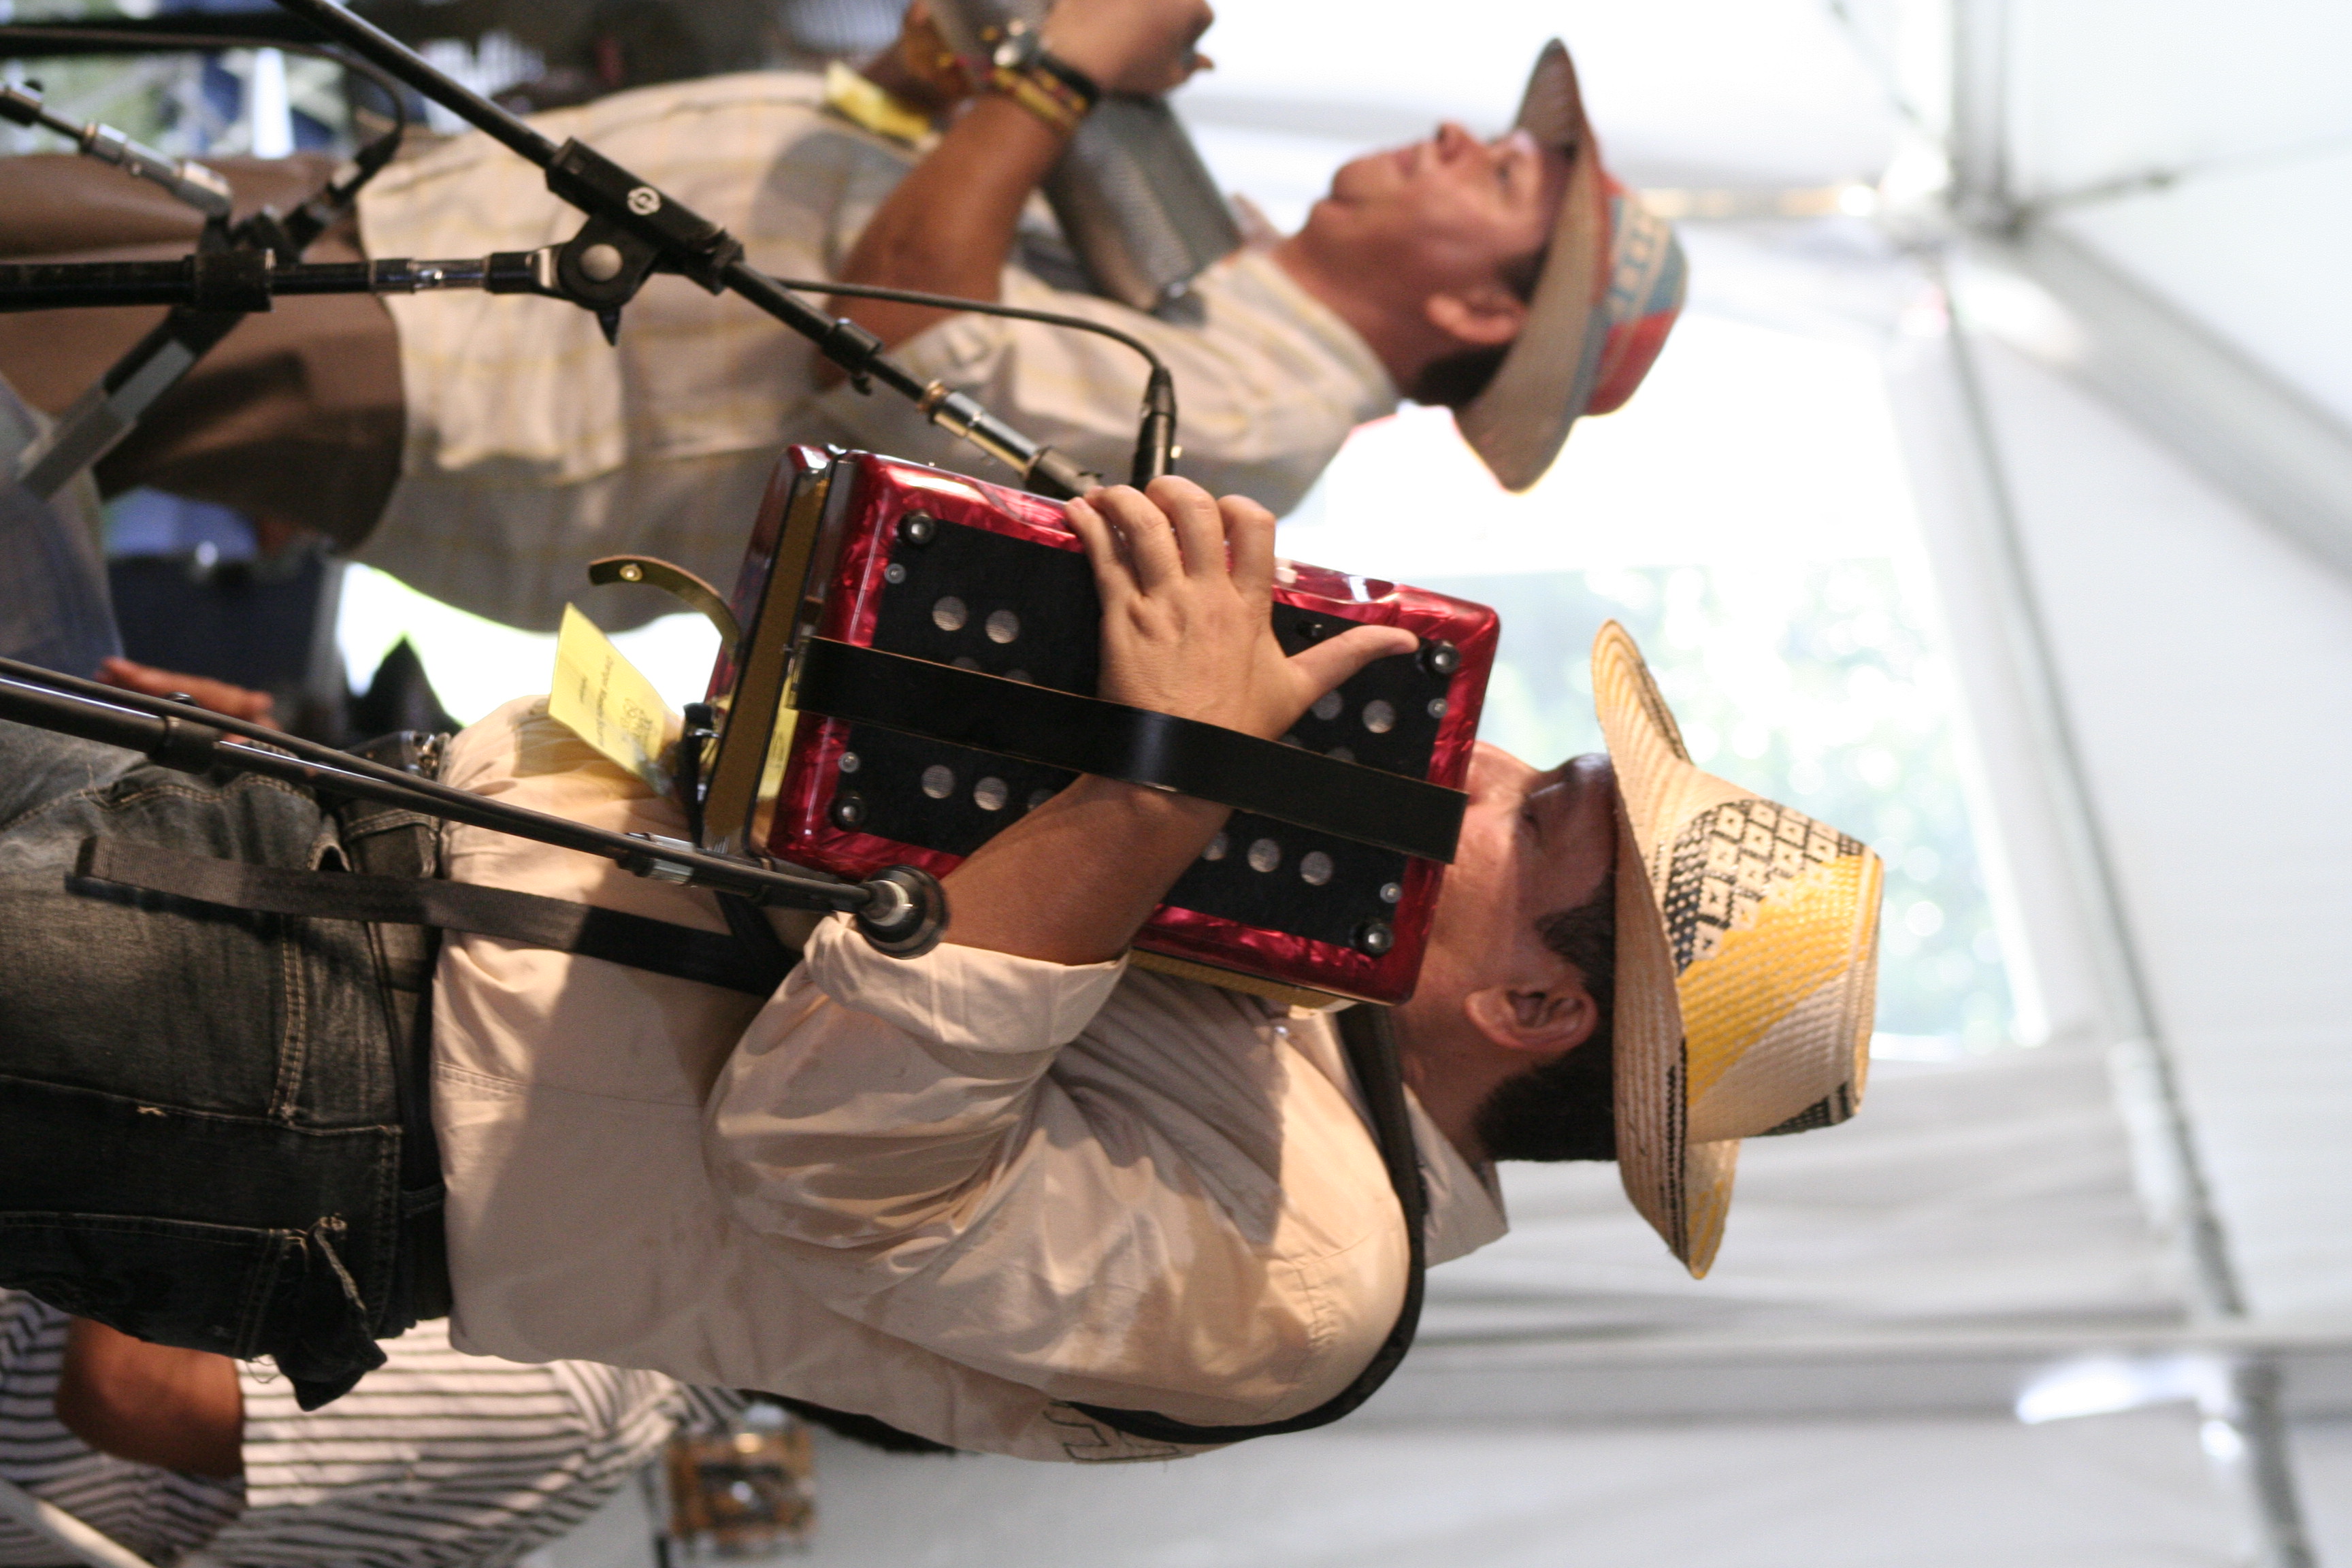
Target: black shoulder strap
x=1111, y=739
x=1371, y=1043
x=712, y=958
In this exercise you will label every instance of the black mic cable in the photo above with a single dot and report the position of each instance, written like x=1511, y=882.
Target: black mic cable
x=1155, y=441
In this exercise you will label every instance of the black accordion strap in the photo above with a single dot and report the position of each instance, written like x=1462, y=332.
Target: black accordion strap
x=1110, y=740
x=1371, y=1042
x=710, y=958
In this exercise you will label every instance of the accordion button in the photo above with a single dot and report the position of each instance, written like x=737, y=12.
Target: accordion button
x=848, y=809
x=1374, y=937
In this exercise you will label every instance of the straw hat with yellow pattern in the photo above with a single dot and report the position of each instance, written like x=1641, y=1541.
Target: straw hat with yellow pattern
x=1746, y=958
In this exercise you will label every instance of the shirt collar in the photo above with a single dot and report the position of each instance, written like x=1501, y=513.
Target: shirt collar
x=1314, y=321
x=1465, y=1204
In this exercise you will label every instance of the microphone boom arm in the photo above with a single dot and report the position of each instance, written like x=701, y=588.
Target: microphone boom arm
x=901, y=910
x=633, y=227
x=219, y=282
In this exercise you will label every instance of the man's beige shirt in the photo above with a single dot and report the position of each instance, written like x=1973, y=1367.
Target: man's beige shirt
x=954, y=1191
x=533, y=446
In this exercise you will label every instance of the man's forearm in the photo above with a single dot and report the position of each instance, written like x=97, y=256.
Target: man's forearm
x=1074, y=880
x=151, y=1404
x=949, y=226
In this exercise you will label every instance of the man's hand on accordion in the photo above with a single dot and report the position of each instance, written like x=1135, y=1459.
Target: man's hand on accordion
x=1187, y=585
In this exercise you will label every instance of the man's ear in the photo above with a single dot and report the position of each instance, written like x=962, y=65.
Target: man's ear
x=1536, y=1023
x=1481, y=317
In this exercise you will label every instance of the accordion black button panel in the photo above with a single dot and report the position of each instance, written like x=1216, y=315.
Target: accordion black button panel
x=1007, y=606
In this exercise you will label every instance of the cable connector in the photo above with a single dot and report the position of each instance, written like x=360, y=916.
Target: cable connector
x=192, y=183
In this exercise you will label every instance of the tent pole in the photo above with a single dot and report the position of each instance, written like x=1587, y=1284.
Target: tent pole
x=2244, y=1429
x=1982, y=188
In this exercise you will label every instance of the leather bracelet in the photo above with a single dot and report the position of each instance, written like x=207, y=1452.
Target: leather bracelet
x=1053, y=90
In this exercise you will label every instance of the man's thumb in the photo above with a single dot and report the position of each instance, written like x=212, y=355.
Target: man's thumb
x=1327, y=664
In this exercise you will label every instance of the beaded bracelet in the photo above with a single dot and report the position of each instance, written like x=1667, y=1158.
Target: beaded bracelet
x=1051, y=89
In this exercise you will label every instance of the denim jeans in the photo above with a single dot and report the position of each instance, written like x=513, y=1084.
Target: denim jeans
x=200, y=1139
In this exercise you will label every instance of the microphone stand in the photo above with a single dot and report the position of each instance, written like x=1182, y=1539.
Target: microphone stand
x=901, y=910
x=111, y=408
x=632, y=228
x=214, y=286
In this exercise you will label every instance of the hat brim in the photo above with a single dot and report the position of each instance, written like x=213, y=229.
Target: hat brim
x=1570, y=358
x=1747, y=953
x=1683, y=1189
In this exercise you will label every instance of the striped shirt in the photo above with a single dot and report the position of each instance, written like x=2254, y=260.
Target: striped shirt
x=156, y=1513
x=534, y=445
x=436, y=1459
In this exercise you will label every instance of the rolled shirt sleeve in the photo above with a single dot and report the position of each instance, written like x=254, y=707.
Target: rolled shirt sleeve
x=1174, y=1212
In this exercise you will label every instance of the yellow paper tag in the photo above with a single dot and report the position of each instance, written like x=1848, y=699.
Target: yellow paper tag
x=608, y=702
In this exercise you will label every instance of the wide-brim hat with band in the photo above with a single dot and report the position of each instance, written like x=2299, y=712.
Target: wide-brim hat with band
x=1611, y=287
x=1746, y=965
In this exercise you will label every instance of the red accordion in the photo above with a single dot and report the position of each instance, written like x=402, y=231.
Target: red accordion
x=889, y=613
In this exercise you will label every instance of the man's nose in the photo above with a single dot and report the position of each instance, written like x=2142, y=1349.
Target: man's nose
x=1453, y=139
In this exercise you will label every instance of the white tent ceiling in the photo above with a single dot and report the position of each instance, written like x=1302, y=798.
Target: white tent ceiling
x=2205, y=149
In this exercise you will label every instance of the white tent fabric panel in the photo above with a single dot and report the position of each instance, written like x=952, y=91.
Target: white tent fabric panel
x=2204, y=149
x=1679, y=94
x=2109, y=1493
x=2323, y=1451
x=2207, y=669
x=2256, y=256
x=2106, y=1493
x=1991, y=1194
x=2098, y=90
